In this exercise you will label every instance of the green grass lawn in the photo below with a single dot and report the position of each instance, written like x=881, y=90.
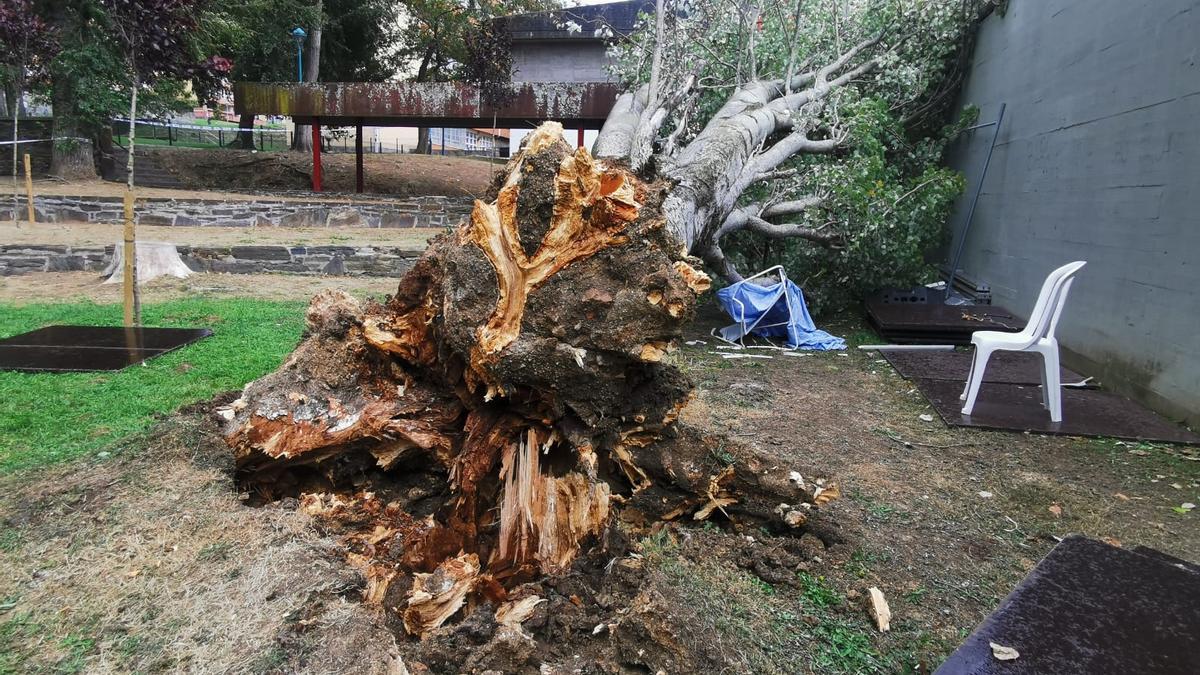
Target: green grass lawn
x=47, y=418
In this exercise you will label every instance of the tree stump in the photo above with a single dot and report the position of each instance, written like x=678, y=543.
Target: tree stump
x=516, y=389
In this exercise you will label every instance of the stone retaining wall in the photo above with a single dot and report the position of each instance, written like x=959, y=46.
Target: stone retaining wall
x=333, y=260
x=409, y=212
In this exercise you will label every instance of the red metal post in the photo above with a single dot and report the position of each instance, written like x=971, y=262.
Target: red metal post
x=316, y=143
x=580, y=143
x=358, y=158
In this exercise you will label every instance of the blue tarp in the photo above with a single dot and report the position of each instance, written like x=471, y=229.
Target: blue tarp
x=777, y=310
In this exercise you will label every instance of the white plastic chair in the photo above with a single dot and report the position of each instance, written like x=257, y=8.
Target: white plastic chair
x=1037, y=336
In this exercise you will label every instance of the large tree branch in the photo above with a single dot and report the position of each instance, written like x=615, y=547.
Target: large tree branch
x=792, y=230
x=788, y=147
x=651, y=122
x=791, y=207
x=616, y=136
x=715, y=258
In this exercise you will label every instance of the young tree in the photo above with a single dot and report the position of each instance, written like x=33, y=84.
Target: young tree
x=25, y=46
x=153, y=40
x=521, y=367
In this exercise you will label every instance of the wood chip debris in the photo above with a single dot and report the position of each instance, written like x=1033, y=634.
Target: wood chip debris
x=515, y=612
x=880, y=610
x=1002, y=653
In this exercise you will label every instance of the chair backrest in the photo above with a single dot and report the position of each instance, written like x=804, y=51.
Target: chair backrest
x=1046, y=311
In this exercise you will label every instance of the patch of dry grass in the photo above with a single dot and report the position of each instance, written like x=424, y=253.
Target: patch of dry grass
x=148, y=561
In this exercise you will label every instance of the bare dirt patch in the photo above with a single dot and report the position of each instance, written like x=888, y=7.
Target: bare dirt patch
x=240, y=174
x=149, y=559
x=149, y=563
x=97, y=234
x=383, y=174
x=72, y=286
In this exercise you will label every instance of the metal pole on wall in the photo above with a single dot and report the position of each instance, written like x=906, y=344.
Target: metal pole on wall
x=298, y=35
x=962, y=240
x=316, y=144
x=443, y=141
x=358, y=157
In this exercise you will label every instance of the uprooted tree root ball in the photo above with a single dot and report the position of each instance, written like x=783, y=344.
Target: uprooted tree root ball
x=510, y=408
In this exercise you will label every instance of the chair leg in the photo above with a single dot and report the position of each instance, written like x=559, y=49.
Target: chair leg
x=970, y=374
x=1045, y=385
x=978, y=366
x=1053, y=383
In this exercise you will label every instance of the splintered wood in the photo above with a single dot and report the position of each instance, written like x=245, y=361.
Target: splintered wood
x=435, y=597
x=480, y=427
x=544, y=517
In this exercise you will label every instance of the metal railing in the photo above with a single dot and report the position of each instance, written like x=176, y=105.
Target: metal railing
x=150, y=132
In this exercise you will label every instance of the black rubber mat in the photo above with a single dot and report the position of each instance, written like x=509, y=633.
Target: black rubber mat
x=1005, y=367
x=1094, y=609
x=935, y=323
x=1086, y=412
x=91, y=348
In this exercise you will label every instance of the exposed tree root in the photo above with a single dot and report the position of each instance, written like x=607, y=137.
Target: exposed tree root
x=515, y=390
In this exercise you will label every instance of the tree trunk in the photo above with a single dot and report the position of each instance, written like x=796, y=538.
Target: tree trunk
x=509, y=398
x=245, y=134
x=11, y=99
x=312, y=73
x=71, y=155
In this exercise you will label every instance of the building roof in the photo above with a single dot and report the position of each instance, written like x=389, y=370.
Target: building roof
x=587, y=22
x=499, y=133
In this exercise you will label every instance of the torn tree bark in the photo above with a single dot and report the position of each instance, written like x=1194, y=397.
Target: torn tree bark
x=515, y=390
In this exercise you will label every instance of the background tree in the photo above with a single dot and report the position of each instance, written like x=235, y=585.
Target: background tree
x=806, y=131
x=438, y=37
x=26, y=45
x=81, y=77
x=152, y=37
x=348, y=40
x=256, y=37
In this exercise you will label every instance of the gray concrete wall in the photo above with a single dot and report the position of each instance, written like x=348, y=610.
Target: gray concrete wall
x=1098, y=160
x=566, y=61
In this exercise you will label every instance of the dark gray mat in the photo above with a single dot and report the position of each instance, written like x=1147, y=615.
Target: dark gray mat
x=935, y=323
x=1006, y=367
x=1094, y=609
x=91, y=348
x=1086, y=412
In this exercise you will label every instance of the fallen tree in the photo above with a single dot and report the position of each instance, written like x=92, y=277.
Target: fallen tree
x=517, y=390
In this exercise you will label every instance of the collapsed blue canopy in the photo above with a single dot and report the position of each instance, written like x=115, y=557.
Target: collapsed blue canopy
x=777, y=310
